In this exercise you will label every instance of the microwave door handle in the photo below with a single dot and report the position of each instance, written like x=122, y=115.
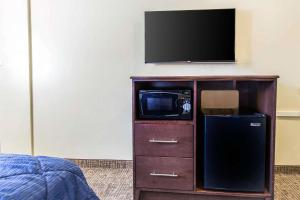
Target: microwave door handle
x=172, y=115
x=161, y=92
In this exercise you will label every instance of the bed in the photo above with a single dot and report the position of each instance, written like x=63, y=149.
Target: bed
x=42, y=178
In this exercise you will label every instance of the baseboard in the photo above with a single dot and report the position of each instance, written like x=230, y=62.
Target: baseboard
x=127, y=164
x=287, y=169
x=94, y=163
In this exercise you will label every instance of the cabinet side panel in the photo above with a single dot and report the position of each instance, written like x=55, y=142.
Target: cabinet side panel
x=136, y=193
x=266, y=103
x=195, y=104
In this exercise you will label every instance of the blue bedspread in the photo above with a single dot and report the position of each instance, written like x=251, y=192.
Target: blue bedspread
x=25, y=177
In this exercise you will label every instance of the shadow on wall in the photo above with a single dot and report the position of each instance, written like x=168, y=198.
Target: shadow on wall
x=288, y=97
x=243, y=37
x=287, y=141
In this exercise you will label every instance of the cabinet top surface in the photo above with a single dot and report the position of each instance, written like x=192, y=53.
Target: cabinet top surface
x=203, y=78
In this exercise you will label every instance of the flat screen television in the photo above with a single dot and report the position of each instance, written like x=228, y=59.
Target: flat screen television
x=190, y=35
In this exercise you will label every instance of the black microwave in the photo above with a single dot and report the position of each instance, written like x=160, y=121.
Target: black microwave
x=165, y=104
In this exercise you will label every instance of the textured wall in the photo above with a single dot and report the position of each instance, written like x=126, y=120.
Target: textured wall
x=14, y=79
x=85, y=50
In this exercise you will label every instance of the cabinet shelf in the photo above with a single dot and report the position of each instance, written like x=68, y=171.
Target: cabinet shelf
x=182, y=122
x=200, y=191
x=233, y=194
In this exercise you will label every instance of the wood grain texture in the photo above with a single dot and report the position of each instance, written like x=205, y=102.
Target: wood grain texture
x=164, y=122
x=202, y=78
x=183, y=167
x=199, y=191
x=195, y=120
x=266, y=103
x=183, y=134
x=256, y=93
x=176, y=196
x=136, y=193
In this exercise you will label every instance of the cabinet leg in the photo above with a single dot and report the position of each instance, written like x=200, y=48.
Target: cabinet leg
x=137, y=195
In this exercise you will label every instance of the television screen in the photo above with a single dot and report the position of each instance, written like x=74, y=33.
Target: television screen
x=190, y=35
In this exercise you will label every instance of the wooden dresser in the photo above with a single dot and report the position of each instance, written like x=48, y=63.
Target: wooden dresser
x=167, y=154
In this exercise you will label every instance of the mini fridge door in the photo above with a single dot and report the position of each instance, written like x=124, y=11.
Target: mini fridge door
x=234, y=152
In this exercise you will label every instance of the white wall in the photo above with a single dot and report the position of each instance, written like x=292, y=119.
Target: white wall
x=14, y=79
x=85, y=50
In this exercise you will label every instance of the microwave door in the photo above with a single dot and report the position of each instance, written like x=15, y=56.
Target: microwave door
x=159, y=105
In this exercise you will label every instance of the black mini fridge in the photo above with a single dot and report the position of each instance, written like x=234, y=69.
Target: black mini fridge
x=234, y=152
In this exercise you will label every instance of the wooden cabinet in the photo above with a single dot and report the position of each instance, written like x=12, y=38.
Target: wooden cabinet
x=168, y=154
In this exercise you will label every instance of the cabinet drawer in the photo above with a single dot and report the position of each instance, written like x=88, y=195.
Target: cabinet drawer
x=164, y=173
x=164, y=140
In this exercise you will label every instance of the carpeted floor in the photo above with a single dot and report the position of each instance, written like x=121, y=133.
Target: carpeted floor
x=116, y=184
x=110, y=184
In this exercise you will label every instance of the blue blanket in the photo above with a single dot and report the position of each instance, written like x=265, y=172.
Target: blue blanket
x=25, y=177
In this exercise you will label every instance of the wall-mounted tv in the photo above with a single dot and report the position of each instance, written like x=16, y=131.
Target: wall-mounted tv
x=190, y=35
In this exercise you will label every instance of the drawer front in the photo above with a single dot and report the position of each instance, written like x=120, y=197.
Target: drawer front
x=164, y=173
x=164, y=140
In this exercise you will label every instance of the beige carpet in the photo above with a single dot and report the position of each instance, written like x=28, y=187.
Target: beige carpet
x=110, y=183
x=116, y=184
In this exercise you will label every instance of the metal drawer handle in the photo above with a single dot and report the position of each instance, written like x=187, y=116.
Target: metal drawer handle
x=164, y=175
x=164, y=141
